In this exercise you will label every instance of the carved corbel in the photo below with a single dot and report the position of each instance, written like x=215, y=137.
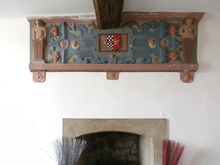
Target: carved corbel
x=112, y=75
x=186, y=76
x=39, y=76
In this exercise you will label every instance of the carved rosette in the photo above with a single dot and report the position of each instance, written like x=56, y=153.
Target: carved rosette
x=112, y=75
x=39, y=76
x=186, y=76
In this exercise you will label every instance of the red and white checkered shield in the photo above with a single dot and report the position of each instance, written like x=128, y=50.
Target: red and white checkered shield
x=113, y=42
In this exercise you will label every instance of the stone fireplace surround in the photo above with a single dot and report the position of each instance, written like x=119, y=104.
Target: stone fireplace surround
x=152, y=133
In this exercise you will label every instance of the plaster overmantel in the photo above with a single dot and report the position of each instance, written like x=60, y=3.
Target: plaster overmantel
x=139, y=56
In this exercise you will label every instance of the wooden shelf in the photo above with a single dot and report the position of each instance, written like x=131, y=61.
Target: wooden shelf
x=37, y=67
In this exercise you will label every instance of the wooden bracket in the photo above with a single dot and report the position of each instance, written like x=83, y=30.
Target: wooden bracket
x=39, y=76
x=186, y=76
x=112, y=75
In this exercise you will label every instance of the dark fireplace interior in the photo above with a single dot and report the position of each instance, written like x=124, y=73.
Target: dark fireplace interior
x=110, y=148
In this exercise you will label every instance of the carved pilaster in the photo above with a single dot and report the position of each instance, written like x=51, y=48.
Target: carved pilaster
x=188, y=46
x=39, y=47
x=39, y=41
x=189, y=32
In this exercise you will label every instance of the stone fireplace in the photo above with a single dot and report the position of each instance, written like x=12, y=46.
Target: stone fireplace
x=119, y=141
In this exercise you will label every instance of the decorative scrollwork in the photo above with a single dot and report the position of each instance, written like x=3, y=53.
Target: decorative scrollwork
x=142, y=41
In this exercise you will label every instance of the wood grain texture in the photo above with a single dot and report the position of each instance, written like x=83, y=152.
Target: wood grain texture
x=108, y=13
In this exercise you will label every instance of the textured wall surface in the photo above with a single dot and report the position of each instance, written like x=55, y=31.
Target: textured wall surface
x=31, y=114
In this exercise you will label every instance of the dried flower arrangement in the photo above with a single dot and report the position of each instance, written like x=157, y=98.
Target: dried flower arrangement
x=68, y=150
x=172, y=152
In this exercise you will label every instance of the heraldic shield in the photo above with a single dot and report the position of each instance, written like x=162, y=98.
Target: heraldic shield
x=113, y=42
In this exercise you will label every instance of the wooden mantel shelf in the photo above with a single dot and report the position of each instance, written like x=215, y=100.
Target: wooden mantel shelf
x=40, y=67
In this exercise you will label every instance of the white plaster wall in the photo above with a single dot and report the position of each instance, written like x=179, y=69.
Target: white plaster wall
x=24, y=8
x=31, y=113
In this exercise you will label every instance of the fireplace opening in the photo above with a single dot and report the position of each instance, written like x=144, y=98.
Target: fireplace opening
x=116, y=148
x=108, y=148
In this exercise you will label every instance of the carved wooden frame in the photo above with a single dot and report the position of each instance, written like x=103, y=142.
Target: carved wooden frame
x=184, y=69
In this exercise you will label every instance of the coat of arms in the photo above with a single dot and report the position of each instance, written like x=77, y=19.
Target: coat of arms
x=113, y=42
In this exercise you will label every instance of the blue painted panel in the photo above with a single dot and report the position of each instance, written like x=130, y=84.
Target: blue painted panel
x=68, y=51
x=139, y=50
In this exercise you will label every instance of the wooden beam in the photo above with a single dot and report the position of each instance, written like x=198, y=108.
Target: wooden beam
x=108, y=13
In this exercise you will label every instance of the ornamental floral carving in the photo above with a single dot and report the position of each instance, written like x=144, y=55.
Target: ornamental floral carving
x=54, y=31
x=173, y=30
x=72, y=59
x=163, y=43
x=63, y=44
x=154, y=60
x=152, y=42
x=74, y=44
x=55, y=56
x=173, y=57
